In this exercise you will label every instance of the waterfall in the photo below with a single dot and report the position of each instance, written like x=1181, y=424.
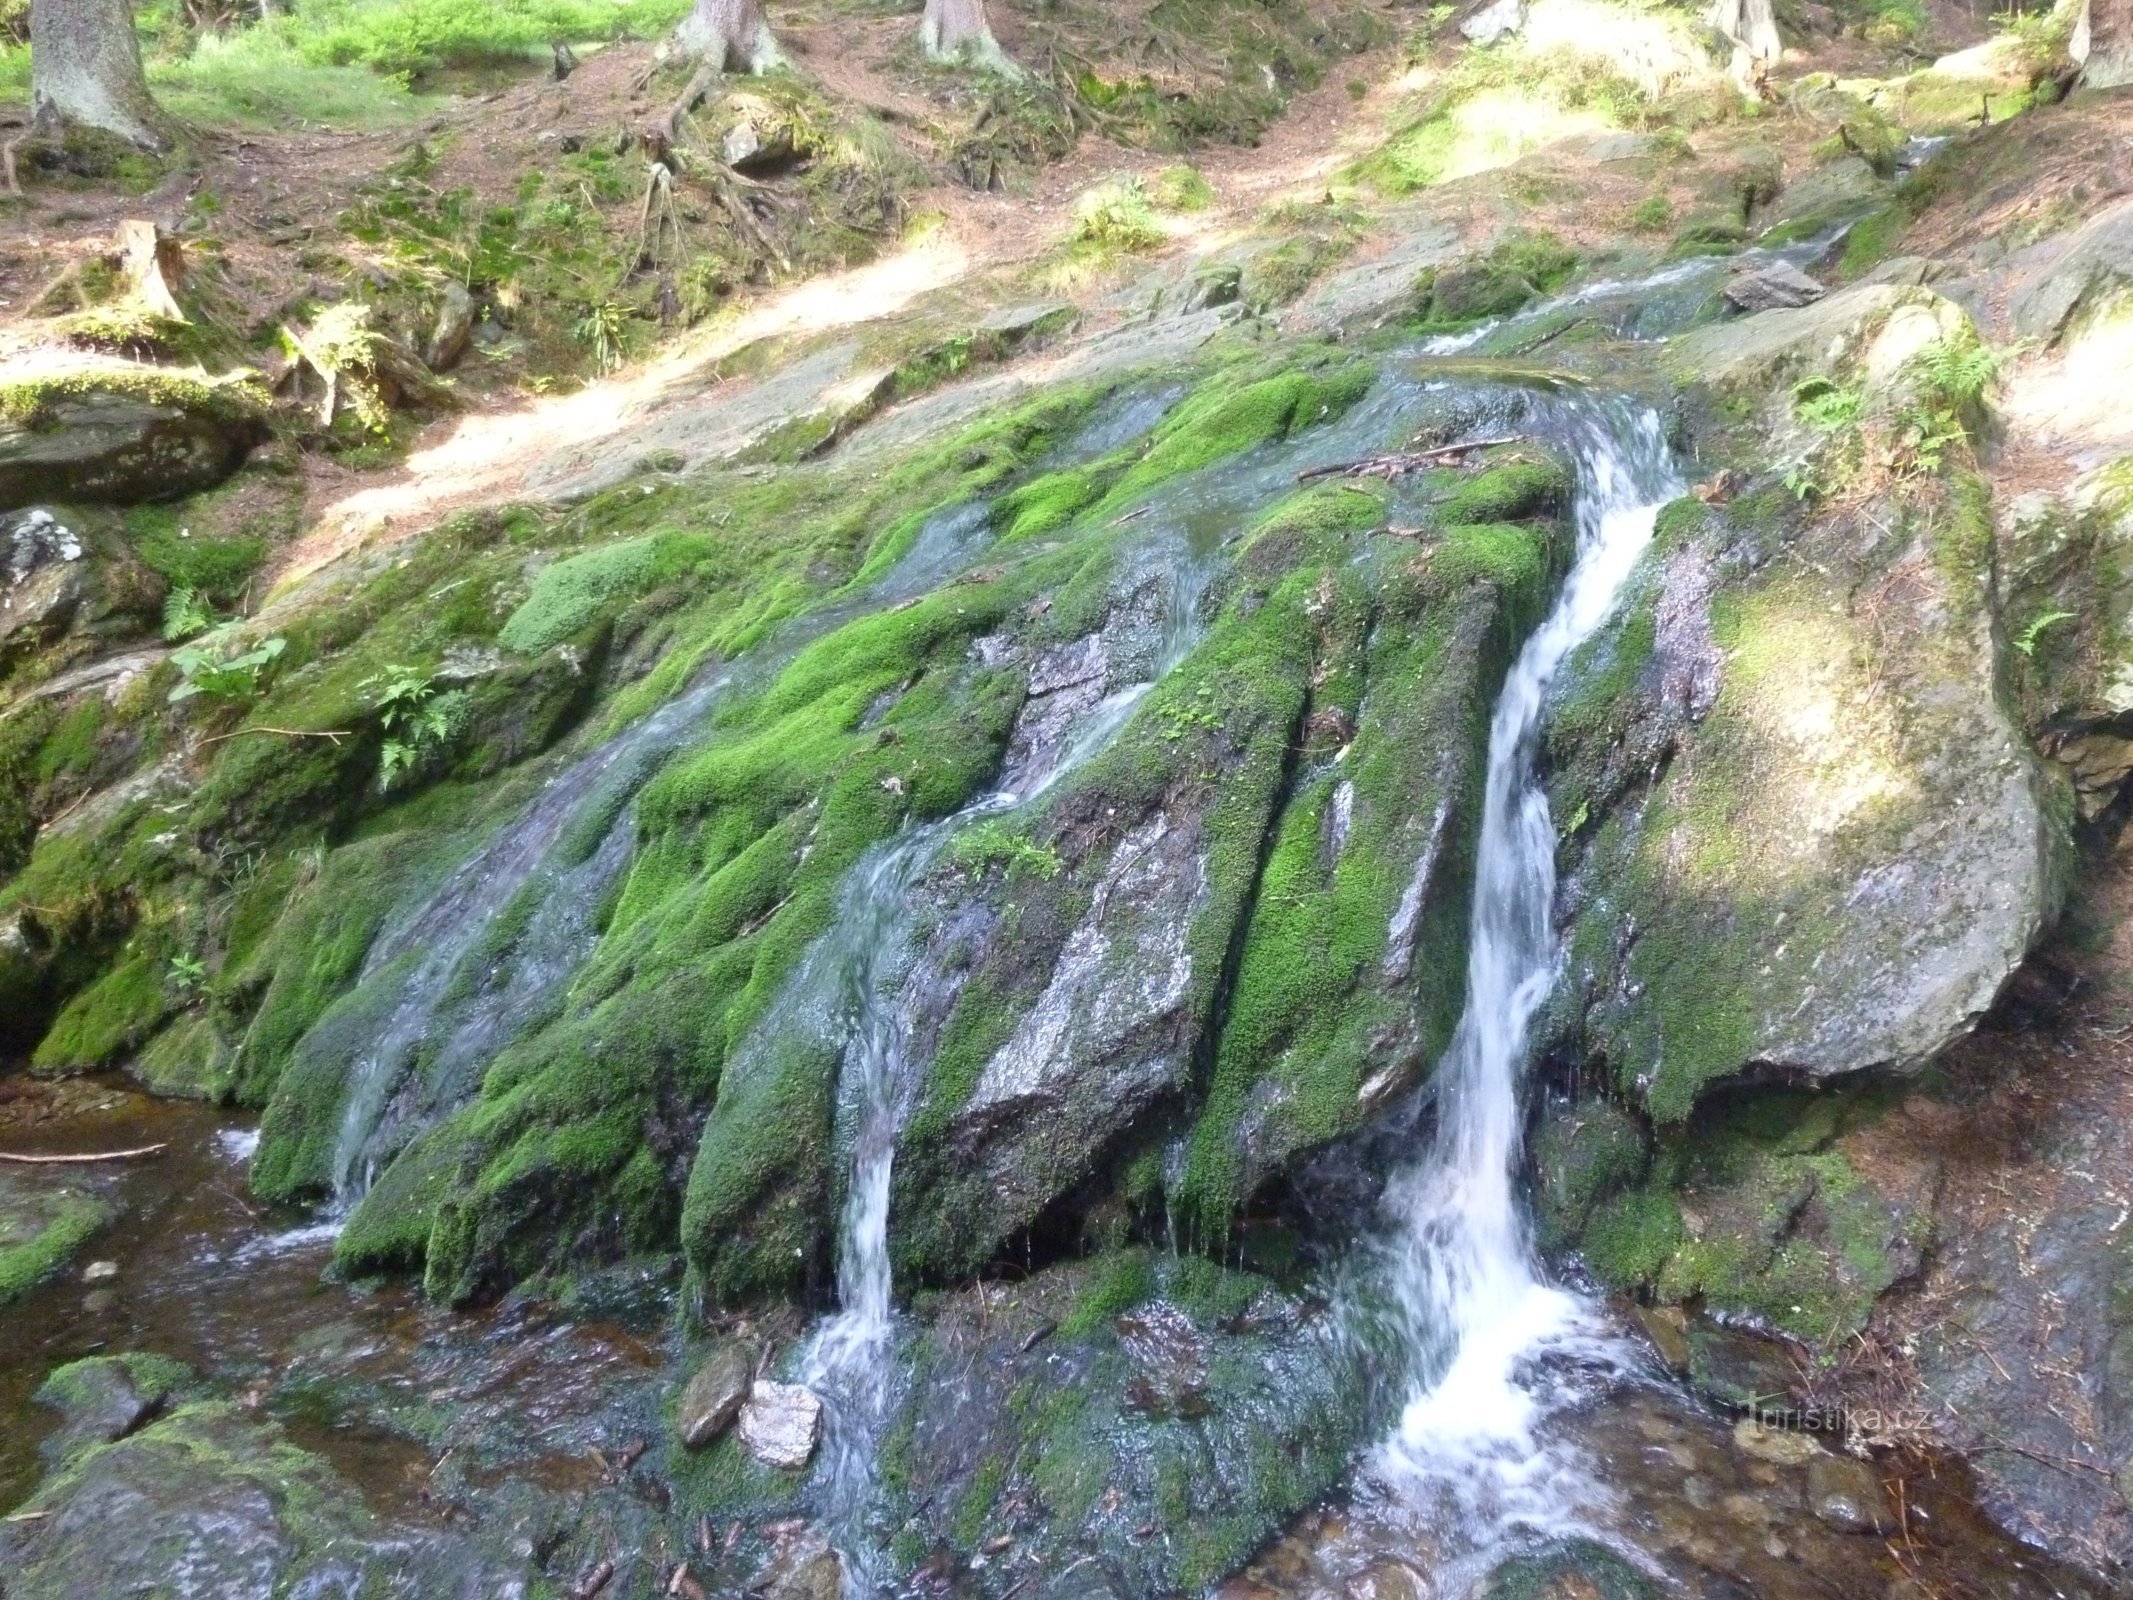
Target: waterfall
x=849, y=1361
x=1487, y=1336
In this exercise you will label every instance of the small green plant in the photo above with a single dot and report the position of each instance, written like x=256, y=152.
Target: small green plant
x=601, y=329
x=186, y=975
x=1117, y=217
x=1823, y=403
x=207, y=666
x=1652, y=214
x=2027, y=641
x=185, y=613
x=1181, y=188
x=416, y=718
x=1950, y=378
x=993, y=844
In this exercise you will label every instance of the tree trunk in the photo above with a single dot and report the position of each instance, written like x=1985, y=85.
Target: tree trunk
x=956, y=30
x=1752, y=27
x=2103, y=44
x=85, y=68
x=729, y=35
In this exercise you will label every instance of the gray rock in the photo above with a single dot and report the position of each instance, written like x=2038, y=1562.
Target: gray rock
x=121, y=434
x=804, y=1567
x=2093, y=262
x=1872, y=330
x=715, y=1394
x=1824, y=197
x=1860, y=900
x=1215, y=286
x=1774, y=287
x=454, y=329
x=1497, y=20
x=1846, y=1495
x=780, y=1424
x=33, y=539
x=223, y=1505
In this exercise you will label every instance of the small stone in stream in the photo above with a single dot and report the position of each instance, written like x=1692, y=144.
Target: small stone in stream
x=99, y=1272
x=1846, y=1495
x=715, y=1395
x=1775, y=1445
x=780, y=1424
x=804, y=1568
x=1386, y=1580
x=1777, y=287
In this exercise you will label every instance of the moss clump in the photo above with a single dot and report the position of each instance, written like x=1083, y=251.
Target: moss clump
x=110, y=1018
x=39, y=1237
x=1761, y=1208
x=1584, y=1153
x=567, y=593
x=1515, y=272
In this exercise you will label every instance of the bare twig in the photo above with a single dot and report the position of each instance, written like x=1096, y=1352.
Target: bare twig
x=336, y=735
x=83, y=1160
x=1398, y=462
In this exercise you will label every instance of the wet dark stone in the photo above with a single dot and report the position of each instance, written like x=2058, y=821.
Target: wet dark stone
x=1846, y=1495
x=714, y=1396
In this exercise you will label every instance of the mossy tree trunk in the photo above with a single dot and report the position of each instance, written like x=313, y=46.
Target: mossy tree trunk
x=2103, y=44
x=957, y=30
x=729, y=35
x=85, y=69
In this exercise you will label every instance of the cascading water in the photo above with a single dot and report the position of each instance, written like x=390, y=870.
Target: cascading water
x=455, y=1001
x=849, y=1361
x=1487, y=1336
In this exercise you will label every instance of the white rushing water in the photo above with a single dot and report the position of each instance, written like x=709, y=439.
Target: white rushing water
x=849, y=1360
x=1494, y=1345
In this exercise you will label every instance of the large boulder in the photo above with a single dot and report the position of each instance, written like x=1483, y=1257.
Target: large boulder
x=120, y=433
x=1806, y=839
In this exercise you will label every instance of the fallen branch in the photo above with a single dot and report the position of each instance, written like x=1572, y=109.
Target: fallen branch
x=1397, y=463
x=84, y=1160
x=336, y=735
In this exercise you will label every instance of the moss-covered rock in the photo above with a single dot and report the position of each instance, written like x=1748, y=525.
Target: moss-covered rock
x=120, y=433
x=1806, y=840
x=42, y=1227
x=212, y=1492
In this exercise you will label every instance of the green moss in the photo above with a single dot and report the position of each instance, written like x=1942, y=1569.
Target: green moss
x=1222, y=419
x=1513, y=273
x=1631, y=1238
x=1871, y=240
x=33, y=402
x=55, y=1231
x=568, y=593
x=1585, y=1153
x=1118, y=1283
x=110, y=1018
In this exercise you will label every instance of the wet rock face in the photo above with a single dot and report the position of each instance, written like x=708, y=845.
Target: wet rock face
x=1123, y=1426
x=96, y=438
